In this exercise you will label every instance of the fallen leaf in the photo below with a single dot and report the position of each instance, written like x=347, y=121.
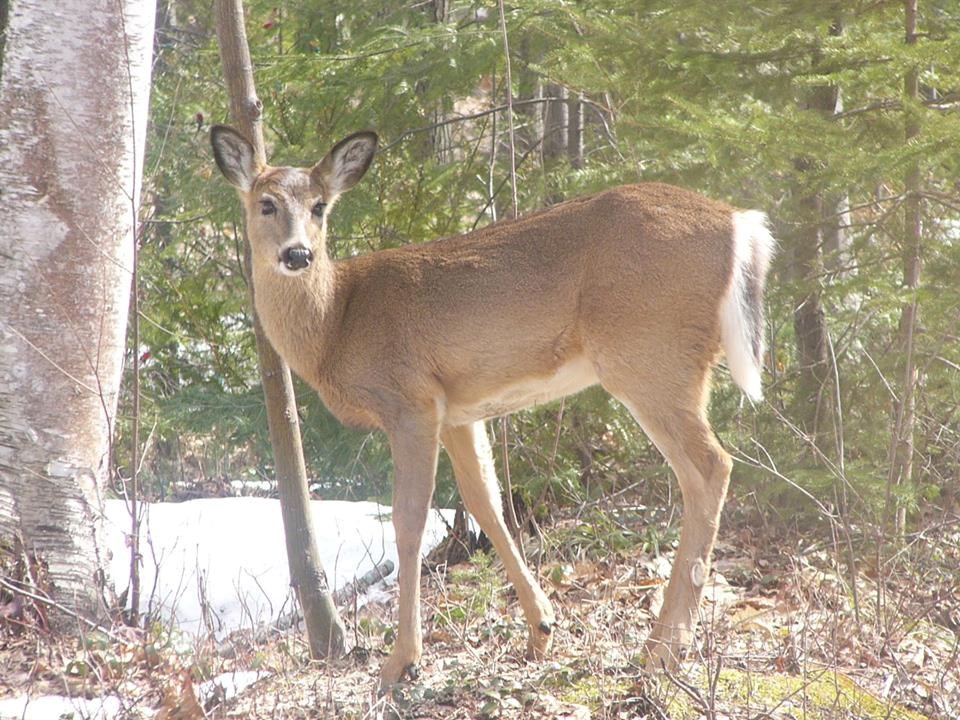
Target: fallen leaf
x=180, y=701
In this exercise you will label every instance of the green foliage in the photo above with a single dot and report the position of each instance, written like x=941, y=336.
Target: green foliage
x=606, y=532
x=712, y=96
x=475, y=589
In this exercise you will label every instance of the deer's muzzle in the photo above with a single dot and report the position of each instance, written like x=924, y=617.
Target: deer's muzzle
x=296, y=257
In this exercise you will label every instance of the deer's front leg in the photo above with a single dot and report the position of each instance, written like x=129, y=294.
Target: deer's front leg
x=414, y=452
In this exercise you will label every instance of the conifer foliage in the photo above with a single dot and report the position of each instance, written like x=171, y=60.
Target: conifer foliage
x=839, y=119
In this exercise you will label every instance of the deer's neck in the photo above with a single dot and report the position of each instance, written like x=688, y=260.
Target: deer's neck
x=297, y=314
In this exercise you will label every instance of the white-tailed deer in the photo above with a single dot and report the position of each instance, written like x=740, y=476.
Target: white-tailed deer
x=637, y=288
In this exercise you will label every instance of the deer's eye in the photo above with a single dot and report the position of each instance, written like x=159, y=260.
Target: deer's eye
x=267, y=207
x=318, y=208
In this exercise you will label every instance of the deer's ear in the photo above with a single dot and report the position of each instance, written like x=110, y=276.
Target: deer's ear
x=346, y=163
x=234, y=156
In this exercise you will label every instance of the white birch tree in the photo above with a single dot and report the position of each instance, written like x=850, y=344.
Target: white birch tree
x=74, y=89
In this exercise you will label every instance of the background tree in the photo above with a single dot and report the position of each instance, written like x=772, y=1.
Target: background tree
x=905, y=406
x=73, y=120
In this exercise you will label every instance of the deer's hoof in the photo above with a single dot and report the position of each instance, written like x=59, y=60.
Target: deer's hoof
x=539, y=640
x=664, y=653
x=396, y=669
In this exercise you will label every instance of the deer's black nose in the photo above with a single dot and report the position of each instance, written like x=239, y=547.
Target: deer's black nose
x=296, y=257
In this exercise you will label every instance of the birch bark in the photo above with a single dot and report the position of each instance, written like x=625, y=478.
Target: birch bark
x=74, y=91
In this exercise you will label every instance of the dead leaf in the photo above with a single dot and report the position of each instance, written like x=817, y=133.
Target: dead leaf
x=440, y=636
x=180, y=701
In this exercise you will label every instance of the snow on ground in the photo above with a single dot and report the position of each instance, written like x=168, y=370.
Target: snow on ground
x=50, y=707
x=220, y=564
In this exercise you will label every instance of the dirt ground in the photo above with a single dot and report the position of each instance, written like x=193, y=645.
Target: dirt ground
x=785, y=634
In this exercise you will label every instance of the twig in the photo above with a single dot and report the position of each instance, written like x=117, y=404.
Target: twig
x=508, y=485
x=690, y=691
x=511, y=511
x=358, y=586
x=493, y=194
x=132, y=617
x=841, y=464
x=771, y=468
x=172, y=221
x=510, y=129
x=62, y=608
x=50, y=360
x=463, y=118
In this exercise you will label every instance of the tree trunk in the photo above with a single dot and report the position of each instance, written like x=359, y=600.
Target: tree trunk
x=555, y=138
x=555, y=123
x=441, y=137
x=325, y=630
x=904, y=412
x=809, y=322
x=575, y=133
x=819, y=225
x=73, y=116
x=836, y=238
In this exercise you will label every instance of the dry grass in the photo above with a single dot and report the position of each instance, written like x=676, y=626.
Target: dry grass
x=781, y=638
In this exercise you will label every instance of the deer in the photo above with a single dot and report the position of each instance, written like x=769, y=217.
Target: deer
x=639, y=289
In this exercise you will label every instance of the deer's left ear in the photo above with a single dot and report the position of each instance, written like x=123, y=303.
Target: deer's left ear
x=234, y=156
x=346, y=163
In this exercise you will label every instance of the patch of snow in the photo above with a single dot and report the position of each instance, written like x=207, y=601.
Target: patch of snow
x=250, y=487
x=57, y=706
x=227, y=685
x=47, y=707
x=220, y=564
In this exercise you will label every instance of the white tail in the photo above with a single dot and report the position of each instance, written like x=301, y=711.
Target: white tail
x=741, y=316
x=637, y=288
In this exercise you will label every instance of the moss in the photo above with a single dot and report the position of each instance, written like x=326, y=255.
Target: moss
x=473, y=590
x=593, y=691
x=819, y=695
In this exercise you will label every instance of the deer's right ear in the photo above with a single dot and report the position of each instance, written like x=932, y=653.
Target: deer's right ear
x=235, y=157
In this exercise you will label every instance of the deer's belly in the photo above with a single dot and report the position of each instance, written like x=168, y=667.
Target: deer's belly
x=569, y=378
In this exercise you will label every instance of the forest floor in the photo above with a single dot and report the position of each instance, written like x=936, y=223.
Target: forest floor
x=783, y=635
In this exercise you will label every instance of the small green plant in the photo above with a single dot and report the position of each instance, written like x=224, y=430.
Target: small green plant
x=473, y=590
x=604, y=532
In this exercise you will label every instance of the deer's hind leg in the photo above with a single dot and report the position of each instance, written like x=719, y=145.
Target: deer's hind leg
x=469, y=451
x=671, y=409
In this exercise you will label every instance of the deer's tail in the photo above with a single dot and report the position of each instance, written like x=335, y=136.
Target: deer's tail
x=741, y=313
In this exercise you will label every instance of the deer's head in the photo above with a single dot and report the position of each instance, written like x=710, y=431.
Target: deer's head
x=286, y=208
